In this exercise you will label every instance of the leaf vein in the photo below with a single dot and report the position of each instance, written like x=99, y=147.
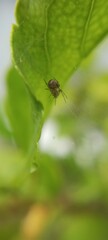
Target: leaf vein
x=87, y=26
x=45, y=36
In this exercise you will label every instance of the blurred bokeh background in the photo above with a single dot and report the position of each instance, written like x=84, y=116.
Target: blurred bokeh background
x=66, y=194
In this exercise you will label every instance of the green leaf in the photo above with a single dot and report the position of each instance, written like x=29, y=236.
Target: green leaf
x=79, y=227
x=4, y=129
x=18, y=109
x=47, y=181
x=51, y=38
x=13, y=168
x=24, y=114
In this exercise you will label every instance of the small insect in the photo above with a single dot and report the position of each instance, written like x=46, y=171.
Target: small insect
x=54, y=87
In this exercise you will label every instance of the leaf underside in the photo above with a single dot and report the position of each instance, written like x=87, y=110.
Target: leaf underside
x=52, y=37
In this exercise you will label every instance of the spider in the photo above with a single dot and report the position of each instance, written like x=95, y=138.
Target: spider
x=54, y=87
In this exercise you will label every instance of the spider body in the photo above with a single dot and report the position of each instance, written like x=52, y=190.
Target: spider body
x=54, y=87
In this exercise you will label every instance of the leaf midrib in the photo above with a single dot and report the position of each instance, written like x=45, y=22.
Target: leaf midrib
x=86, y=27
x=45, y=34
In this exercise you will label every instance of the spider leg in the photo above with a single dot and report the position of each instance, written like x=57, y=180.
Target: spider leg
x=55, y=101
x=64, y=95
x=50, y=96
x=45, y=82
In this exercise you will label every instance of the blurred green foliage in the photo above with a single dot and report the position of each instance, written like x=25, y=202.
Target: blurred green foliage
x=74, y=187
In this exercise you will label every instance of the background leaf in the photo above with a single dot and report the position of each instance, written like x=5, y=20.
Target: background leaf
x=13, y=169
x=19, y=110
x=25, y=113
x=4, y=131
